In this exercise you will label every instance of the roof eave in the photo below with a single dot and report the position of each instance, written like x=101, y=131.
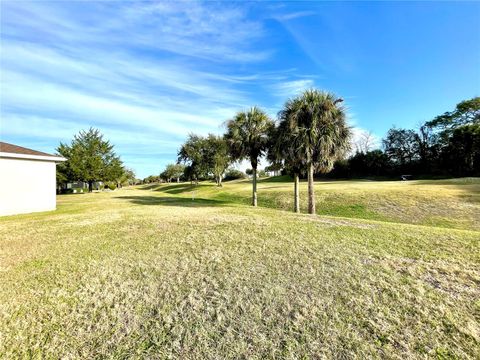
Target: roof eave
x=32, y=157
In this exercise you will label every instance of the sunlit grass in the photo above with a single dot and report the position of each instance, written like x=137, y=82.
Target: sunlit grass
x=446, y=203
x=148, y=273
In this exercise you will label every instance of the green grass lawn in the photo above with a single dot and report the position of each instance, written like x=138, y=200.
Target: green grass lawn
x=386, y=270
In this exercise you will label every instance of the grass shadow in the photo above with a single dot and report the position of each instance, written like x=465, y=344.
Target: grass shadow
x=174, y=188
x=276, y=179
x=172, y=201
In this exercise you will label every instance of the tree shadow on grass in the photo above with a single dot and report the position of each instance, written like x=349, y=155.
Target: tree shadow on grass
x=172, y=201
x=276, y=179
x=177, y=188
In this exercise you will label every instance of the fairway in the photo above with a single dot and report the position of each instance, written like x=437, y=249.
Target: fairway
x=384, y=270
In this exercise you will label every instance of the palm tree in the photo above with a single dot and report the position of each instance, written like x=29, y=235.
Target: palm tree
x=286, y=149
x=247, y=136
x=318, y=121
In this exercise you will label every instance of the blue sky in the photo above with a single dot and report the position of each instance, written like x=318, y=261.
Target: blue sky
x=148, y=73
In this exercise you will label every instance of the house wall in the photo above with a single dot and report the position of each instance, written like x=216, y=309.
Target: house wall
x=26, y=186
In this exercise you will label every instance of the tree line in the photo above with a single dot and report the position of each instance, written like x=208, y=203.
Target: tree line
x=311, y=138
x=448, y=145
x=310, y=135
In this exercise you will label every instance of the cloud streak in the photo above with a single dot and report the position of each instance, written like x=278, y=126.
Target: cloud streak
x=146, y=74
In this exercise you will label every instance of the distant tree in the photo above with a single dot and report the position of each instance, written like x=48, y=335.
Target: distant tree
x=461, y=156
x=454, y=138
x=365, y=142
x=204, y=157
x=216, y=157
x=275, y=167
x=371, y=163
x=466, y=112
x=247, y=137
x=189, y=174
x=249, y=172
x=167, y=173
x=401, y=146
x=173, y=171
x=90, y=158
x=178, y=171
x=234, y=174
x=427, y=148
x=151, y=179
x=319, y=123
x=192, y=155
x=128, y=177
x=261, y=173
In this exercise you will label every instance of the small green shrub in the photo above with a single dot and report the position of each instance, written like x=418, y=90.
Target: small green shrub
x=234, y=174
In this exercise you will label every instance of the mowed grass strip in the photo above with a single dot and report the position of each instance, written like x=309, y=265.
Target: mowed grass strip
x=141, y=273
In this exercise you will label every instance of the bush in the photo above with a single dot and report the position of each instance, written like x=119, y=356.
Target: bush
x=111, y=186
x=234, y=174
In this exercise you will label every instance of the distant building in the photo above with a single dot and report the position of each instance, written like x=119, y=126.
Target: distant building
x=79, y=186
x=27, y=180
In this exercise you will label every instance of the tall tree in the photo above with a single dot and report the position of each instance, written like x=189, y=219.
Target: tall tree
x=248, y=138
x=90, y=158
x=319, y=122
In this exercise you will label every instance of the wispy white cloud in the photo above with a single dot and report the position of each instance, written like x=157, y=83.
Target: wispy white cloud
x=142, y=72
x=292, y=88
x=67, y=68
x=294, y=15
x=214, y=32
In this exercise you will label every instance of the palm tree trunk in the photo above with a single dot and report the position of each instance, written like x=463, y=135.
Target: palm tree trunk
x=254, y=195
x=311, y=192
x=296, y=193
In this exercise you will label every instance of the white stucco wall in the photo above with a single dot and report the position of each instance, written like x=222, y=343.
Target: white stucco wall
x=26, y=186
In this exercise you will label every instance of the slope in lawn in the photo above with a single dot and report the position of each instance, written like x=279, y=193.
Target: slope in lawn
x=146, y=273
x=451, y=203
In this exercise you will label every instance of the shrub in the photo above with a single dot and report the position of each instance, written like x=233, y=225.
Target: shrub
x=234, y=174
